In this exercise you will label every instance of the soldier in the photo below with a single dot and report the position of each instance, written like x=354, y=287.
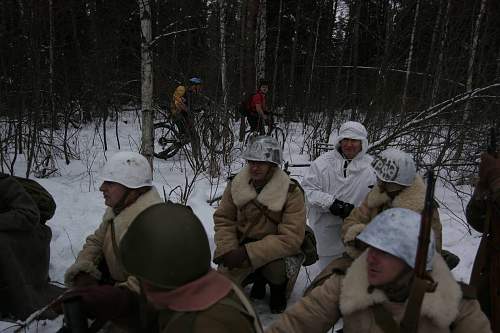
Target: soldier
x=259, y=225
x=398, y=185
x=24, y=252
x=371, y=295
x=336, y=182
x=483, y=213
x=166, y=249
x=127, y=190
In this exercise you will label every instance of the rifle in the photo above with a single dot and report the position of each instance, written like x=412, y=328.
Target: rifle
x=422, y=282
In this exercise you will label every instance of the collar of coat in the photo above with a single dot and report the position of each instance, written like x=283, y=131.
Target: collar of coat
x=127, y=215
x=412, y=197
x=273, y=195
x=441, y=306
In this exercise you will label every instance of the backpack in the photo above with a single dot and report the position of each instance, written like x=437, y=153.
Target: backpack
x=43, y=199
x=244, y=107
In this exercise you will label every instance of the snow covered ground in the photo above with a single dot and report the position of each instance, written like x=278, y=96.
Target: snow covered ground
x=80, y=205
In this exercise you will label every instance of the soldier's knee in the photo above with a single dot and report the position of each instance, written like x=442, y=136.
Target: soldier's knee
x=275, y=272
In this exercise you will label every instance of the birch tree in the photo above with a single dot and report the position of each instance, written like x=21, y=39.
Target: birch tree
x=261, y=41
x=223, y=60
x=147, y=148
x=409, y=60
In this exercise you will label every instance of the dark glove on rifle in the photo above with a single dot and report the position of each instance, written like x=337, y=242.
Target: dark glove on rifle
x=235, y=258
x=340, y=208
x=104, y=302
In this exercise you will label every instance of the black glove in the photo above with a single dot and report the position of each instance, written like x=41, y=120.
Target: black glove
x=103, y=302
x=235, y=258
x=340, y=208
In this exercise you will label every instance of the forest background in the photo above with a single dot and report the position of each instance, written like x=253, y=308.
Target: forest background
x=420, y=75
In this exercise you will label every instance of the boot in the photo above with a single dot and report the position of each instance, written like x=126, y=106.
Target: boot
x=277, y=301
x=258, y=288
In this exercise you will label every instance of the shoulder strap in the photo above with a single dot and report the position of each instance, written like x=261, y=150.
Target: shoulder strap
x=116, y=250
x=384, y=319
x=187, y=321
x=248, y=307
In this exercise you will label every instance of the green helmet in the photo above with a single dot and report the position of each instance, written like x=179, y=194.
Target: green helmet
x=166, y=245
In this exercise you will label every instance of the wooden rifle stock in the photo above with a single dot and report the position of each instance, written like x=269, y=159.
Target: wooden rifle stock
x=422, y=282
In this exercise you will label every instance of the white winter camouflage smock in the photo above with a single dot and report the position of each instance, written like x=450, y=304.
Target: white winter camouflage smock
x=326, y=181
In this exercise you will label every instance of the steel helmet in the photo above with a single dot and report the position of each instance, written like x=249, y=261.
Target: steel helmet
x=166, y=245
x=395, y=166
x=128, y=168
x=396, y=231
x=264, y=149
x=195, y=80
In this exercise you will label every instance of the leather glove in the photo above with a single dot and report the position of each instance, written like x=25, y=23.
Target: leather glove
x=340, y=208
x=235, y=258
x=103, y=302
x=84, y=279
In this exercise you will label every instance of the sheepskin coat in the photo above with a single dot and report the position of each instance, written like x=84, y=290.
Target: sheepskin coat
x=99, y=246
x=412, y=197
x=444, y=310
x=277, y=235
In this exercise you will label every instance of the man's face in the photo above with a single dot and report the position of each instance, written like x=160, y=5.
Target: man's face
x=264, y=89
x=383, y=268
x=350, y=147
x=259, y=170
x=392, y=189
x=112, y=192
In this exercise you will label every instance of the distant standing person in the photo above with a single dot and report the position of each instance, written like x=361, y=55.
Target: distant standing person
x=483, y=214
x=335, y=183
x=258, y=115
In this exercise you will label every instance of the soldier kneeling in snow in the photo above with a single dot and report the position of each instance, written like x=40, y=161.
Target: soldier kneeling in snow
x=260, y=224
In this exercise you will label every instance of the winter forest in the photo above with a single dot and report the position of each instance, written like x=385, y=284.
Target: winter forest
x=82, y=79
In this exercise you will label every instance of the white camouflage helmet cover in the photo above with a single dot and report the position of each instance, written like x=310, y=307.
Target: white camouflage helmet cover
x=353, y=130
x=396, y=231
x=263, y=148
x=128, y=168
x=395, y=166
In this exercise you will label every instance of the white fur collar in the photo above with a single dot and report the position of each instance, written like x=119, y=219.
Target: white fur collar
x=441, y=306
x=412, y=197
x=127, y=215
x=273, y=195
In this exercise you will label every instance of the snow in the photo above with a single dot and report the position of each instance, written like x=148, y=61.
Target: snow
x=80, y=207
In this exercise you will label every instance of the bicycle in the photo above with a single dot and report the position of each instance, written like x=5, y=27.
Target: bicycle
x=275, y=131
x=216, y=135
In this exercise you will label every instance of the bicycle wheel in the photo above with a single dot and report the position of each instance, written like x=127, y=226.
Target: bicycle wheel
x=219, y=139
x=279, y=135
x=166, y=143
x=250, y=136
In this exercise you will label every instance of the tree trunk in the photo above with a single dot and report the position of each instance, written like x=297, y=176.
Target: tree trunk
x=276, y=55
x=470, y=75
x=261, y=41
x=223, y=61
x=147, y=148
x=409, y=60
x=249, y=10
x=293, y=62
